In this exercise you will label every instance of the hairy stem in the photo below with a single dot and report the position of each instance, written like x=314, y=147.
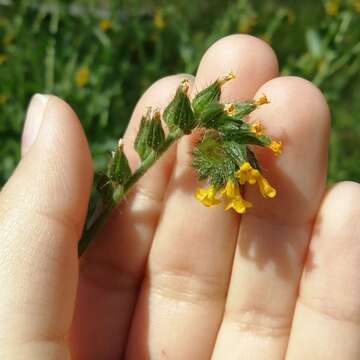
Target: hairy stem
x=145, y=165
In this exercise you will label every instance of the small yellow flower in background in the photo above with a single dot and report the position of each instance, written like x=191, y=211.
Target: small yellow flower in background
x=207, y=196
x=262, y=100
x=3, y=99
x=82, y=76
x=105, y=25
x=276, y=147
x=357, y=5
x=247, y=24
x=8, y=39
x=257, y=128
x=159, y=21
x=3, y=58
x=332, y=7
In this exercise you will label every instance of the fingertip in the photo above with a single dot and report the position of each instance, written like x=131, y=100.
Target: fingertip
x=299, y=117
x=251, y=59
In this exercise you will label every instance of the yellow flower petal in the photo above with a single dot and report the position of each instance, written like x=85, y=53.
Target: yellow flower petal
x=230, y=190
x=266, y=190
x=238, y=204
x=207, y=196
x=159, y=21
x=82, y=76
x=247, y=173
x=105, y=25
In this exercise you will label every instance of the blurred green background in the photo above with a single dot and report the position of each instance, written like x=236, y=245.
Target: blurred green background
x=101, y=55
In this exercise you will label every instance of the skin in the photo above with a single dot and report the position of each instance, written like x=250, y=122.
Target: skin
x=167, y=278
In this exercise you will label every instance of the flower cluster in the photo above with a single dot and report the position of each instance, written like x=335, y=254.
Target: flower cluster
x=223, y=156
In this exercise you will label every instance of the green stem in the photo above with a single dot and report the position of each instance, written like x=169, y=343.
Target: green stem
x=145, y=165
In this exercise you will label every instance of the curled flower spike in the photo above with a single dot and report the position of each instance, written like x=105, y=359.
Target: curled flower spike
x=276, y=147
x=228, y=77
x=262, y=100
x=207, y=196
x=257, y=128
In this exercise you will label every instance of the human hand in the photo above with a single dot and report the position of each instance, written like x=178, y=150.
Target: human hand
x=167, y=278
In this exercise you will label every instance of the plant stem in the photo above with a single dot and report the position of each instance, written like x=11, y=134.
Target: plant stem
x=145, y=165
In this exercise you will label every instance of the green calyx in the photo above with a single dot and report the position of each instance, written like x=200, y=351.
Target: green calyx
x=179, y=114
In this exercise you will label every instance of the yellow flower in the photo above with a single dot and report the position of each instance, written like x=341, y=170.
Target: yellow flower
x=207, y=196
x=257, y=128
x=159, y=21
x=262, y=100
x=3, y=58
x=82, y=76
x=267, y=191
x=228, y=77
x=230, y=109
x=238, y=204
x=247, y=174
x=332, y=7
x=105, y=25
x=276, y=147
x=230, y=189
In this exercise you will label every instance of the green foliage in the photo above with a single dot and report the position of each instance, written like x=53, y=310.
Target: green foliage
x=101, y=55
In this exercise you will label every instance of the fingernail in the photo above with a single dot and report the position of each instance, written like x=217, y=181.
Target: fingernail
x=34, y=116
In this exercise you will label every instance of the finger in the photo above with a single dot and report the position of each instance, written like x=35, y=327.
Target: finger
x=42, y=211
x=273, y=236
x=192, y=252
x=112, y=267
x=326, y=322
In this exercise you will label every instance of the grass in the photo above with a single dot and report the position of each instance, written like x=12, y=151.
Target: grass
x=101, y=55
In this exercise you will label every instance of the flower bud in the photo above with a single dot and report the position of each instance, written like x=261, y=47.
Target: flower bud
x=178, y=114
x=119, y=170
x=141, y=140
x=156, y=136
x=210, y=95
